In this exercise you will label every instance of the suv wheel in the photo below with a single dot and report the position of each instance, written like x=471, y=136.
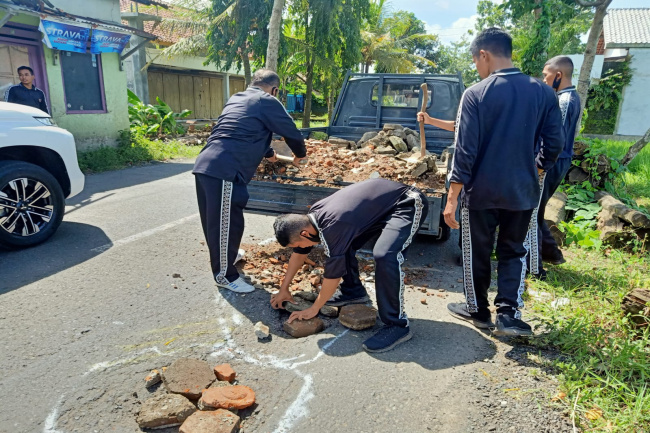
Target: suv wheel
x=31, y=204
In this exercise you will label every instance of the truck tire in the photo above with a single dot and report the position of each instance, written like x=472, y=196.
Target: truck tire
x=31, y=204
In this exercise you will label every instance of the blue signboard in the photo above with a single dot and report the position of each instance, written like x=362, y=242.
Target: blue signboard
x=103, y=41
x=64, y=37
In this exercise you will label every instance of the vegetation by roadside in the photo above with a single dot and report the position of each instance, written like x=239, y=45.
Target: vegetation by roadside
x=134, y=149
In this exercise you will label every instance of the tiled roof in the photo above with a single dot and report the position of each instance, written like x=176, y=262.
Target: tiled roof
x=166, y=35
x=627, y=28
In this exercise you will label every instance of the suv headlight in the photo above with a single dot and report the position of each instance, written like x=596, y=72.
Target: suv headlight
x=46, y=121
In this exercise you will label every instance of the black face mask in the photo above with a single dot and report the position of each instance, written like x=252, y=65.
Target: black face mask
x=313, y=238
x=556, y=83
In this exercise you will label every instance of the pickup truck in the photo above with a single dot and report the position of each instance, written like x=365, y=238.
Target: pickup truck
x=358, y=111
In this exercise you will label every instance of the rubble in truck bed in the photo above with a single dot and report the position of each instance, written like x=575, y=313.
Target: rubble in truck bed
x=392, y=153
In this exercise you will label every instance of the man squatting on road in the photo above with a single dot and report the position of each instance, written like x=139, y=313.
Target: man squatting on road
x=497, y=175
x=239, y=141
x=343, y=223
x=557, y=73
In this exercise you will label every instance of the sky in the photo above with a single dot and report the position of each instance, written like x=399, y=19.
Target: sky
x=450, y=19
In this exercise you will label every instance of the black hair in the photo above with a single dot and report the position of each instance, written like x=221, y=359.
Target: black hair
x=498, y=42
x=288, y=227
x=22, y=68
x=562, y=64
x=265, y=77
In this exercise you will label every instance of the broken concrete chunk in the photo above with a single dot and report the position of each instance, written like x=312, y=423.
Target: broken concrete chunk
x=397, y=133
x=307, y=296
x=188, y=377
x=152, y=378
x=165, y=410
x=419, y=169
x=218, y=421
x=262, y=331
x=314, y=280
x=392, y=126
x=339, y=142
x=367, y=136
x=412, y=141
x=357, y=316
x=304, y=328
x=300, y=305
x=224, y=372
x=398, y=144
x=229, y=397
x=386, y=150
x=374, y=175
x=329, y=311
x=409, y=131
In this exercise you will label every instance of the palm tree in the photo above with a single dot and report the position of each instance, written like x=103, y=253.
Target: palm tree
x=389, y=46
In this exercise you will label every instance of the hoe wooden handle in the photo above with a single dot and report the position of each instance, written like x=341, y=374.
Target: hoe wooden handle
x=424, y=90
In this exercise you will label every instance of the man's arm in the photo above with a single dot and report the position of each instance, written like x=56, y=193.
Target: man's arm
x=43, y=104
x=9, y=95
x=295, y=263
x=447, y=125
x=552, y=136
x=276, y=118
x=467, y=140
x=328, y=287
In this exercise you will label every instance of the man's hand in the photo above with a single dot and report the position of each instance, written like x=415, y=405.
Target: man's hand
x=272, y=158
x=299, y=162
x=540, y=171
x=450, y=213
x=279, y=298
x=303, y=315
x=423, y=117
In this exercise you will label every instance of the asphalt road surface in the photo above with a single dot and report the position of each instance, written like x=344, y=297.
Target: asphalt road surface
x=85, y=316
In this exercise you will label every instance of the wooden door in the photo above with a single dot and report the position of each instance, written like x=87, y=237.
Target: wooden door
x=171, y=91
x=236, y=85
x=216, y=97
x=11, y=57
x=186, y=89
x=202, y=97
x=155, y=87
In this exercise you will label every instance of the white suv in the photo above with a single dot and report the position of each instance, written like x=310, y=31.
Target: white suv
x=38, y=170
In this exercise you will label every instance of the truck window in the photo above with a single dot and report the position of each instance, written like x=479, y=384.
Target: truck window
x=407, y=95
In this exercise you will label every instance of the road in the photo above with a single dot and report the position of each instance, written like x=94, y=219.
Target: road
x=85, y=316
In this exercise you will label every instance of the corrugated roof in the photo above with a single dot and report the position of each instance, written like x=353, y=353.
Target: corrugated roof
x=627, y=28
x=168, y=35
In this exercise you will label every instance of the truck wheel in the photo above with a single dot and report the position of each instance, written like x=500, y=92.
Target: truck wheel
x=31, y=204
x=444, y=232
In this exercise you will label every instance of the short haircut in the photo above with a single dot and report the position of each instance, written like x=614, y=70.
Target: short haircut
x=288, y=227
x=494, y=40
x=23, y=68
x=562, y=64
x=265, y=77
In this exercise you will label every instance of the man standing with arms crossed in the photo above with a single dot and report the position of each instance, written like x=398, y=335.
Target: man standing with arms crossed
x=500, y=120
x=557, y=74
x=238, y=143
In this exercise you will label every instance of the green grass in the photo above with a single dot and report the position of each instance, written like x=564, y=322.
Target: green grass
x=635, y=182
x=605, y=363
x=316, y=122
x=139, y=151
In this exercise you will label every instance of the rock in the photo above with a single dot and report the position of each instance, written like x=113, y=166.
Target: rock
x=386, y=150
x=357, y=316
x=228, y=397
x=300, y=305
x=337, y=178
x=409, y=131
x=329, y=311
x=152, y=378
x=431, y=162
x=304, y=328
x=397, y=133
x=423, y=301
x=188, y=377
x=164, y=410
x=307, y=296
x=339, y=142
x=262, y=331
x=367, y=136
x=225, y=372
x=577, y=175
x=412, y=141
x=554, y=214
x=218, y=421
x=419, y=169
x=374, y=175
x=176, y=275
x=314, y=280
x=392, y=127
x=398, y=144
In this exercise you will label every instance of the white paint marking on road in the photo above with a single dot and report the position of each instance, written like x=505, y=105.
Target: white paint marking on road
x=50, y=422
x=144, y=234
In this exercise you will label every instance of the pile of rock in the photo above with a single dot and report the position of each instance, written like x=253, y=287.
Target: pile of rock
x=199, y=398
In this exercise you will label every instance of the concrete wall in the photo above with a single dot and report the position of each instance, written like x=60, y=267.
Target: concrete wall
x=634, y=115
x=108, y=10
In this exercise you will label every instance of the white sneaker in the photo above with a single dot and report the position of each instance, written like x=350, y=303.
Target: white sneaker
x=238, y=286
x=240, y=255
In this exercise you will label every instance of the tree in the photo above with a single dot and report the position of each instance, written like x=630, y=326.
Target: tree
x=396, y=42
x=637, y=147
x=275, y=27
x=455, y=58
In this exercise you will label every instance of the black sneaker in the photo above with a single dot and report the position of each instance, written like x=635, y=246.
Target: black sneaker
x=387, y=338
x=510, y=327
x=554, y=257
x=340, y=299
x=481, y=320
